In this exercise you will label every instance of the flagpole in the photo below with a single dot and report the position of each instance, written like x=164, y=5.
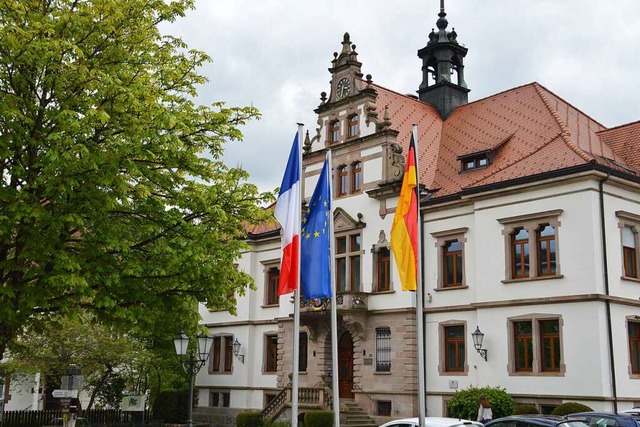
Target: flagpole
x=296, y=302
x=334, y=311
x=419, y=296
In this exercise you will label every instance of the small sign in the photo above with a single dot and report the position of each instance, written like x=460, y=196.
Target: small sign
x=132, y=403
x=65, y=394
x=453, y=384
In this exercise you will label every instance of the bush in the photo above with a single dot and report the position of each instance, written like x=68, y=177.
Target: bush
x=171, y=406
x=249, y=419
x=464, y=403
x=570, y=408
x=525, y=409
x=318, y=419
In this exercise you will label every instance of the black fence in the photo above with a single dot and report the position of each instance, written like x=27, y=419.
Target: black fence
x=90, y=418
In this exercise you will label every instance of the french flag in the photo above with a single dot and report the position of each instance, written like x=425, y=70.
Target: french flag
x=287, y=213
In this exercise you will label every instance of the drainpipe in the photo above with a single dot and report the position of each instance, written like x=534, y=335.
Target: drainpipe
x=605, y=267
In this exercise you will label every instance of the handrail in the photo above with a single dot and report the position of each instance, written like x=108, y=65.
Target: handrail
x=365, y=393
x=307, y=396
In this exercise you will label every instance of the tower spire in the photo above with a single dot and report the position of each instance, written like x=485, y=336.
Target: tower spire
x=443, y=57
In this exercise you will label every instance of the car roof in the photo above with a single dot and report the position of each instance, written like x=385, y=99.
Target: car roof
x=603, y=413
x=533, y=418
x=437, y=421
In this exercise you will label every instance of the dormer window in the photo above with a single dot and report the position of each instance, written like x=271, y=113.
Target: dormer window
x=334, y=131
x=475, y=161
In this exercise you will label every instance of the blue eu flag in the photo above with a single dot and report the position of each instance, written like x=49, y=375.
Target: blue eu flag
x=315, y=268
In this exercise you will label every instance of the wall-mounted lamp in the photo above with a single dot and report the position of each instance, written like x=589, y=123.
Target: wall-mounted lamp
x=236, y=350
x=478, y=337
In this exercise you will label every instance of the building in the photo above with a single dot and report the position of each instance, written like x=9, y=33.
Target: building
x=530, y=229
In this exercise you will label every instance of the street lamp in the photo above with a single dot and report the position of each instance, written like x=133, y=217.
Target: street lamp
x=478, y=337
x=194, y=362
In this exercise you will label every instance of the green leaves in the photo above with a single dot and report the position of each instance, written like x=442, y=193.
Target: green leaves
x=113, y=199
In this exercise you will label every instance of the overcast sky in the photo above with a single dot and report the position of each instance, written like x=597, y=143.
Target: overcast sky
x=274, y=54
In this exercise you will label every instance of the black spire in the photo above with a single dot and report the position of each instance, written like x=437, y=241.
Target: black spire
x=442, y=57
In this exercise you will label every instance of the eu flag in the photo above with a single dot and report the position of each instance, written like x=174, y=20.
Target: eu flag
x=315, y=269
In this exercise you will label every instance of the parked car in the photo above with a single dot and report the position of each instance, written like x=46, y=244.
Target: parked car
x=433, y=422
x=535, y=420
x=607, y=419
x=633, y=411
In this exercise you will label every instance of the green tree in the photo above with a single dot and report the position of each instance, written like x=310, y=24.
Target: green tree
x=111, y=363
x=113, y=196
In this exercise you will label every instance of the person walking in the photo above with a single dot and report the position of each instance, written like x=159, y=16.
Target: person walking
x=484, y=410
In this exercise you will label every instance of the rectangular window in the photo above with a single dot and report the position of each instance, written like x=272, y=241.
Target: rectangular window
x=452, y=268
x=302, y=352
x=454, y=348
x=222, y=354
x=523, y=345
x=383, y=349
x=383, y=408
x=217, y=354
x=634, y=347
x=450, y=245
x=532, y=245
x=629, y=251
x=348, y=265
x=383, y=270
x=219, y=399
x=550, y=345
x=343, y=178
x=271, y=362
x=356, y=177
x=536, y=346
x=273, y=278
x=228, y=353
x=353, y=126
x=334, y=131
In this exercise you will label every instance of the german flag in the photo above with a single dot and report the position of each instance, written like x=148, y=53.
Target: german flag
x=404, y=231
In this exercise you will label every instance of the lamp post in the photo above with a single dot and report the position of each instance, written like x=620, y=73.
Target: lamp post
x=191, y=363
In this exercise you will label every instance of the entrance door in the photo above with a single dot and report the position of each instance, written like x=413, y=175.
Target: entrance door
x=345, y=366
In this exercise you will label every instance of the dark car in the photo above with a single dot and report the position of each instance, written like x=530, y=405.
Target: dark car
x=606, y=419
x=535, y=421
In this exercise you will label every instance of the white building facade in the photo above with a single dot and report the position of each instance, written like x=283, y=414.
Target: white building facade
x=529, y=223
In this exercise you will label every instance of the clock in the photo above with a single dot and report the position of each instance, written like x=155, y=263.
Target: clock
x=343, y=88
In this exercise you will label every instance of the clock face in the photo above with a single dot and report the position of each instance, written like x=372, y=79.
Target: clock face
x=343, y=88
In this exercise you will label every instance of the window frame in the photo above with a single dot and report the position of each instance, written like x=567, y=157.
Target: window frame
x=356, y=177
x=382, y=273
x=270, y=364
x=383, y=349
x=353, y=126
x=271, y=283
x=536, y=340
x=634, y=347
x=221, y=358
x=345, y=262
x=334, y=131
x=442, y=238
x=342, y=181
x=219, y=398
x=303, y=351
x=443, y=366
x=531, y=223
x=632, y=222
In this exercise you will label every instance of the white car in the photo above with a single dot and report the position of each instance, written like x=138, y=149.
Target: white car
x=633, y=411
x=433, y=422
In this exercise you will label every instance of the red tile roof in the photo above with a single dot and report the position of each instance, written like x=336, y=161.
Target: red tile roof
x=528, y=129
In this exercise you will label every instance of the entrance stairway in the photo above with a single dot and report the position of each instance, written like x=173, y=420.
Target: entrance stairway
x=355, y=416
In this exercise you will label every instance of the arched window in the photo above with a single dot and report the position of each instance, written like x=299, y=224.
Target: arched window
x=520, y=253
x=546, y=238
